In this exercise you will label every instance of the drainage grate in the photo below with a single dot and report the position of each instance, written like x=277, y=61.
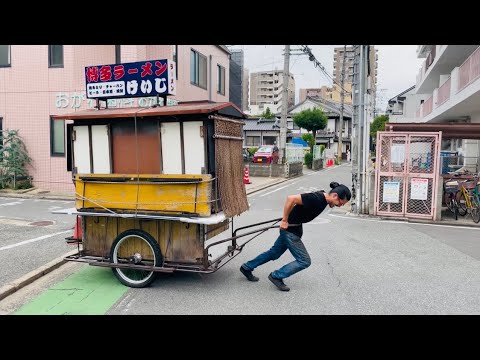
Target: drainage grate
x=41, y=223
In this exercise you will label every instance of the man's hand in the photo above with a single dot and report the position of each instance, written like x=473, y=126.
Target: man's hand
x=284, y=225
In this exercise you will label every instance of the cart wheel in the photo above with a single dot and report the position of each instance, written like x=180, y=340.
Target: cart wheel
x=135, y=247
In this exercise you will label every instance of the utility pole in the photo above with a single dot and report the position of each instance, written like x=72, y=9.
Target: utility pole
x=283, y=119
x=342, y=102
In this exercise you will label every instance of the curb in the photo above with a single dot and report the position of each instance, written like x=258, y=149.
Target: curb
x=30, y=277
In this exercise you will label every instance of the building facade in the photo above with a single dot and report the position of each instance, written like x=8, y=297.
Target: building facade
x=448, y=91
x=328, y=93
x=401, y=108
x=238, y=82
x=266, y=90
x=39, y=81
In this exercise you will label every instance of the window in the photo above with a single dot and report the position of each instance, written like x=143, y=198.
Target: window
x=220, y=79
x=55, y=55
x=253, y=140
x=198, y=69
x=118, y=54
x=57, y=137
x=175, y=59
x=5, y=55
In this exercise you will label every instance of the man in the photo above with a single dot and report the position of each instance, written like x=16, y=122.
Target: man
x=298, y=209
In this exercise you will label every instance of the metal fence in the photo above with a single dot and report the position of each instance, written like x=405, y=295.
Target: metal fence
x=407, y=174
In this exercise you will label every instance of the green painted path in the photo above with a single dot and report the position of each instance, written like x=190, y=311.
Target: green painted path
x=91, y=291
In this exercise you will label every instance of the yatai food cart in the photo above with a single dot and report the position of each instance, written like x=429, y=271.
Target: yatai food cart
x=154, y=184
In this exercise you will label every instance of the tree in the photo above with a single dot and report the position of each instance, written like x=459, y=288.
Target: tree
x=311, y=120
x=267, y=114
x=13, y=159
x=378, y=125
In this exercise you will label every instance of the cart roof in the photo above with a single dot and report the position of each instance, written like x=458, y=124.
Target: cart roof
x=185, y=108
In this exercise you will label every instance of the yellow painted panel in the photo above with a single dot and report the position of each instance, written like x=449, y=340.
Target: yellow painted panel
x=170, y=197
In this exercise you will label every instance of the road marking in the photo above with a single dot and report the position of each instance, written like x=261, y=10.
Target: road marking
x=280, y=188
x=34, y=240
x=11, y=203
x=404, y=222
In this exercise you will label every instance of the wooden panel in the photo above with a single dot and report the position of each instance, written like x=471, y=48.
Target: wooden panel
x=101, y=149
x=194, y=145
x=171, y=149
x=81, y=149
x=152, y=197
x=124, y=143
x=179, y=242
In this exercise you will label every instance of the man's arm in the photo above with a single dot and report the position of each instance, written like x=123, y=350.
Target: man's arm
x=291, y=201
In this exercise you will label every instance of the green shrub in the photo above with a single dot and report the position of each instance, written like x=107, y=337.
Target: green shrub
x=308, y=159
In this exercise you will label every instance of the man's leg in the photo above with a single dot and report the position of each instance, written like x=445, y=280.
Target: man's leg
x=278, y=248
x=299, y=252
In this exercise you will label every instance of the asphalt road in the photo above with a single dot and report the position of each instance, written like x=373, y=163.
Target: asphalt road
x=30, y=236
x=359, y=266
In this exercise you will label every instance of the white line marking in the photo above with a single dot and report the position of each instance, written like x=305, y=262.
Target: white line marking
x=280, y=188
x=33, y=240
x=404, y=222
x=11, y=203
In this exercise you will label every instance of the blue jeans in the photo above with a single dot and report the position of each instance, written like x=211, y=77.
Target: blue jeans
x=286, y=240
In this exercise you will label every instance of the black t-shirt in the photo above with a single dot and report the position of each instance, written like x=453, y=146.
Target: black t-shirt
x=313, y=205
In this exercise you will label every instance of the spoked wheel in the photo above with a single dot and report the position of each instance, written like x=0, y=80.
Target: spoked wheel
x=476, y=215
x=462, y=204
x=449, y=202
x=135, y=247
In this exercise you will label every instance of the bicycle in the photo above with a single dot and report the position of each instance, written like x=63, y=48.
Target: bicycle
x=468, y=198
x=450, y=189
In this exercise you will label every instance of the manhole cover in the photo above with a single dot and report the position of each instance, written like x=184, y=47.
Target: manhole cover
x=41, y=223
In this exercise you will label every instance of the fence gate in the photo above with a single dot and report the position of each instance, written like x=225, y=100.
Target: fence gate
x=407, y=171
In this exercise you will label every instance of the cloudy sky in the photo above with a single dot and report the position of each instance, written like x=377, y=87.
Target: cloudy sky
x=397, y=66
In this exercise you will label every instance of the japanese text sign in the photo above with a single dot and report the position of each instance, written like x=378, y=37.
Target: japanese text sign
x=136, y=79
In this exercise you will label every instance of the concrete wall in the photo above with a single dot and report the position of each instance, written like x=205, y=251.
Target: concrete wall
x=276, y=170
x=317, y=164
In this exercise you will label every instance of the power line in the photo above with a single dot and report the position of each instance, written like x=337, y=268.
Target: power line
x=317, y=63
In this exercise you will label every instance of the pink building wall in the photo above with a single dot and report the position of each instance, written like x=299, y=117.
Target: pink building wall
x=30, y=92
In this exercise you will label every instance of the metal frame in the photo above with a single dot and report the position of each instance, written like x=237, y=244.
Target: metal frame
x=406, y=174
x=206, y=267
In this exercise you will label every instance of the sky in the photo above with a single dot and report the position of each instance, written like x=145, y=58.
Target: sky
x=398, y=66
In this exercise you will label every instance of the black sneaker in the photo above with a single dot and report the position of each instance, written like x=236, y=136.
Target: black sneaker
x=278, y=283
x=248, y=274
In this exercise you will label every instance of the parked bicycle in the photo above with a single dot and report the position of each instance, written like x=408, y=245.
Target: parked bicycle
x=450, y=190
x=468, y=198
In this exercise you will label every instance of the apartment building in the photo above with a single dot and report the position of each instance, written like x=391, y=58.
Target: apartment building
x=448, y=91
x=328, y=93
x=39, y=81
x=266, y=90
x=338, y=55
x=238, y=80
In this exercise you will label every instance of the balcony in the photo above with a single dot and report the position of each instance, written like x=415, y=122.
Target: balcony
x=440, y=60
x=458, y=97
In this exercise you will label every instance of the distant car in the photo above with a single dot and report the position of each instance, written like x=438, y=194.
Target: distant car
x=247, y=157
x=264, y=155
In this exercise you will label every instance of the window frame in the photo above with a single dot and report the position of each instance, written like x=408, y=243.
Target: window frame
x=197, y=69
x=50, y=57
x=220, y=79
x=52, y=139
x=9, y=47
